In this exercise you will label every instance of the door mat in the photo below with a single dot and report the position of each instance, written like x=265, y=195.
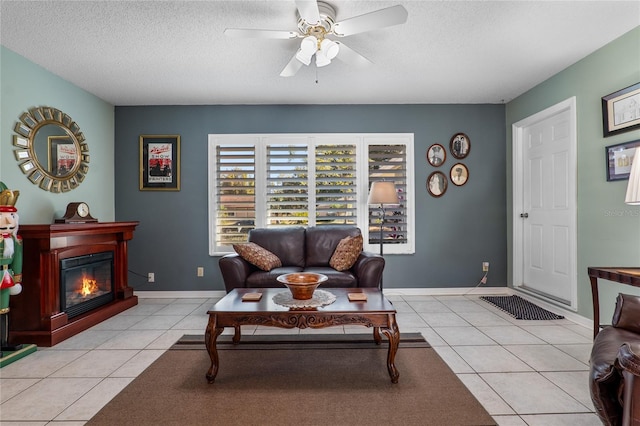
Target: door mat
x=520, y=308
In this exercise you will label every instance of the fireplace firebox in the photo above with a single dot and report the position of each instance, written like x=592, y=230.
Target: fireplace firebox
x=86, y=283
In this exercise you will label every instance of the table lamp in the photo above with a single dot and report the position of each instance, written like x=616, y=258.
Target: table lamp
x=382, y=192
x=633, y=187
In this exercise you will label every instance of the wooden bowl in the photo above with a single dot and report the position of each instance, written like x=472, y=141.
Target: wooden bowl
x=302, y=284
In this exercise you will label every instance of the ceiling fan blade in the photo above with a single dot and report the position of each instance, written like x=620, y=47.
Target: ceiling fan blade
x=350, y=56
x=292, y=68
x=308, y=10
x=251, y=33
x=393, y=15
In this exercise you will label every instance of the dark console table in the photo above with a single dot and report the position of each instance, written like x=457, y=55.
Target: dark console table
x=628, y=276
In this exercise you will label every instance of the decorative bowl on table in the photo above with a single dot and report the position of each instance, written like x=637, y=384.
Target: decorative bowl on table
x=302, y=284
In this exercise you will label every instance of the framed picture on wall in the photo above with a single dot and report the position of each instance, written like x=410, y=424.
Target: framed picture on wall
x=619, y=159
x=459, y=174
x=437, y=184
x=436, y=155
x=160, y=162
x=460, y=145
x=621, y=110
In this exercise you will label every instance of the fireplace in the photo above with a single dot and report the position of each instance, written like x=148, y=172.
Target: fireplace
x=86, y=283
x=60, y=263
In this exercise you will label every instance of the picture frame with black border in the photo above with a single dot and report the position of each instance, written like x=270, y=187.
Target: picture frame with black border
x=619, y=158
x=621, y=110
x=159, y=162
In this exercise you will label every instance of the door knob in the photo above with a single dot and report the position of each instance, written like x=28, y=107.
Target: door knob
x=524, y=215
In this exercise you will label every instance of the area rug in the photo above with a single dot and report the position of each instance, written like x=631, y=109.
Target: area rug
x=520, y=308
x=295, y=384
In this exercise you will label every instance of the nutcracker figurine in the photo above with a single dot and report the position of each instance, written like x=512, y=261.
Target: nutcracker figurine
x=10, y=259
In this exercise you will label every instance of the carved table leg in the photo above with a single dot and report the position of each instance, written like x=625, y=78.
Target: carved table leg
x=376, y=335
x=236, y=334
x=393, y=334
x=210, y=337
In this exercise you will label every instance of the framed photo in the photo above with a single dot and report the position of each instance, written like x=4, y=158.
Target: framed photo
x=459, y=174
x=621, y=110
x=63, y=154
x=437, y=184
x=160, y=162
x=436, y=155
x=460, y=145
x=619, y=158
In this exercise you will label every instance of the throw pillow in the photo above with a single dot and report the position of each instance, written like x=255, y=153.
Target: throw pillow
x=258, y=256
x=346, y=253
x=627, y=313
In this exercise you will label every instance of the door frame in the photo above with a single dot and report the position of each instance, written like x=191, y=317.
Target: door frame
x=518, y=200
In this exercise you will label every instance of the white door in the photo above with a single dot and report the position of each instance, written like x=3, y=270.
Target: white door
x=545, y=204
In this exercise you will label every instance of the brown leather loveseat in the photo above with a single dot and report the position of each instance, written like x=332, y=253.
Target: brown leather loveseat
x=302, y=249
x=614, y=379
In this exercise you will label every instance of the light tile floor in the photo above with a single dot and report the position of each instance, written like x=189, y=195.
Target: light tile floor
x=523, y=372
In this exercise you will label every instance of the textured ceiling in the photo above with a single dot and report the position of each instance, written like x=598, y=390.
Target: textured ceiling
x=174, y=52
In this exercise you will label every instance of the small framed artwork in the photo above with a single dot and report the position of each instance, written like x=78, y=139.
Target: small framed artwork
x=459, y=174
x=436, y=155
x=437, y=184
x=621, y=110
x=619, y=158
x=63, y=154
x=460, y=145
x=160, y=162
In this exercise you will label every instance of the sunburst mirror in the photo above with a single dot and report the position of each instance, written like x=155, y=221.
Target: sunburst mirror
x=51, y=149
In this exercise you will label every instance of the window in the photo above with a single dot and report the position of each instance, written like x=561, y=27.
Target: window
x=277, y=180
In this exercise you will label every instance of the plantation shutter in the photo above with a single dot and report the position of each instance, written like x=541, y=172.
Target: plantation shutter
x=235, y=193
x=336, y=185
x=287, y=185
x=389, y=163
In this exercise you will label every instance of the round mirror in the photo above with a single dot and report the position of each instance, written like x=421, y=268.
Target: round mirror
x=50, y=149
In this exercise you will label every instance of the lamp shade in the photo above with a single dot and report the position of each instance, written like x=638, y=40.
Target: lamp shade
x=633, y=188
x=383, y=192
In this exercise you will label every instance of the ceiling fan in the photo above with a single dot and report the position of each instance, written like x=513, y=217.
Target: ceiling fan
x=316, y=21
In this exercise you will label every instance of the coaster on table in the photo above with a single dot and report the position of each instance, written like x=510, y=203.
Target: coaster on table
x=251, y=297
x=357, y=297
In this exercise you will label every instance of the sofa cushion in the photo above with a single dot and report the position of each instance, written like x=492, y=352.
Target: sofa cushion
x=346, y=254
x=627, y=313
x=258, y=256
x=321, y=242
x=335, y=279
x=286, y=243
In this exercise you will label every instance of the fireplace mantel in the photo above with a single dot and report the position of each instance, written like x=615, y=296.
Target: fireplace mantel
x=35, y=315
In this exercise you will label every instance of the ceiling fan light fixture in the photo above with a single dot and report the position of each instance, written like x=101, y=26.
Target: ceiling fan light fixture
x=329, y=48
x=322, y=59
x=303, y=57
x=309, y=45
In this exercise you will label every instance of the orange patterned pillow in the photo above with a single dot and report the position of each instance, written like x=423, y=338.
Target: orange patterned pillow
x=346, y=253
x=258, y=256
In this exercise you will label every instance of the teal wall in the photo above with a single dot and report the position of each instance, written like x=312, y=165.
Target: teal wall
x=608, y=229
x=25, y=85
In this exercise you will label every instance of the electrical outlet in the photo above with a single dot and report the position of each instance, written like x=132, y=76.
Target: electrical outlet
x=151, y=277
x=485, y=266
x=200, y=272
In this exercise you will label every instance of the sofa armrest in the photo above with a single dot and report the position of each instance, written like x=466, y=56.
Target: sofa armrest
x=628, y=361
x=368, y=269
x=235, y=271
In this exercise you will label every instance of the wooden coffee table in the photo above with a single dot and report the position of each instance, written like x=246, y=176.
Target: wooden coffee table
x=232, y=311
